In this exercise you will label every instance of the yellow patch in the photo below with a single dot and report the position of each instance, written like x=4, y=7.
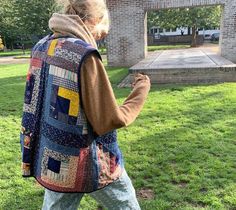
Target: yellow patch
x=74, y=100
x=52, y=47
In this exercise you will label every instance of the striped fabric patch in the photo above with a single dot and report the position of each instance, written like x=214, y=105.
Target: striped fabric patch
x=66, y=74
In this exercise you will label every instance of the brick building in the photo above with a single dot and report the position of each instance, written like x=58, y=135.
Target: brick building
x=127, y=41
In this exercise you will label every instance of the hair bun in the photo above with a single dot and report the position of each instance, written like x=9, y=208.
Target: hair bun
x=70, y=8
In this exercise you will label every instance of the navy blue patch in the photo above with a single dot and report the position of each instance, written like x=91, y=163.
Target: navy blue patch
x=54, y=93
x=72, y=120
x=54, y=165
x=62, y=105
x=28, y=121
x=29, y=89
x=65, y=138
x=26, y=155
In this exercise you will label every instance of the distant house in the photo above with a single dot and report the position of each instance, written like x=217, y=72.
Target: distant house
x=158, y=32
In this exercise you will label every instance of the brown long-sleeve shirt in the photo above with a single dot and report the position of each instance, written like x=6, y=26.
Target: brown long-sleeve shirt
x=99, y=102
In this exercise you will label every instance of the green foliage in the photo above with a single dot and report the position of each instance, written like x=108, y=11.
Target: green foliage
x=182, y=146
x=33, y=16
x=8, y=20
x=196, y=17
x=20, y=19
x=208, y=17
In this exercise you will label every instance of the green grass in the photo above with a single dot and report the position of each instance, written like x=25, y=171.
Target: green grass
x=167, y=47
x=22, y=56
x=182, y=146
x=17, y=52
x=103, y=50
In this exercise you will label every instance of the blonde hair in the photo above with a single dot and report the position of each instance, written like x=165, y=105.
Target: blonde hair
x=94, y=14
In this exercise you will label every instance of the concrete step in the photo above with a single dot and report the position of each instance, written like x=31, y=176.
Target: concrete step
x=188, y=66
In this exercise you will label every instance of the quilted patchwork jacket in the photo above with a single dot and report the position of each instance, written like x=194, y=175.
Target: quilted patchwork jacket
x=59, y=147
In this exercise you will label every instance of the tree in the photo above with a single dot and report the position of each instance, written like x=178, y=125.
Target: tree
x=21, y=19
x=8, y=26
x=33, y=16
x=198, y=17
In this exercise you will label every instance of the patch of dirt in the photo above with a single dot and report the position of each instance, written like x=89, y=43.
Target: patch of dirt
x=203, y=190
x=181, y=184
x=146, y=194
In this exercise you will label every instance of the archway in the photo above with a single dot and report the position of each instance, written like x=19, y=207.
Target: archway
x=127, y=41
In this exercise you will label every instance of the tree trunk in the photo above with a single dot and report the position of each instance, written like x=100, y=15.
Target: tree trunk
x=194, y=36
x=189, y=31
x=23, y=49
x=12, y=47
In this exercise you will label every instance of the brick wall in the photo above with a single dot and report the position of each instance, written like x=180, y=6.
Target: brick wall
x=127, y=40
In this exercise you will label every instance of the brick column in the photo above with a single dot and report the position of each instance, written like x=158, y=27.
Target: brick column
x=127, y=38
x=228, y=31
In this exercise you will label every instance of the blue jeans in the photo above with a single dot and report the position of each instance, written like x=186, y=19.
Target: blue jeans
x=120, y=195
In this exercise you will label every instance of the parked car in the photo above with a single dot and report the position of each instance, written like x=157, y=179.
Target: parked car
x=207, y=36
x=215, y=37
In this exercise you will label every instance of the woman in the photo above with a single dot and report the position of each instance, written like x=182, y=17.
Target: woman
x=68, y=136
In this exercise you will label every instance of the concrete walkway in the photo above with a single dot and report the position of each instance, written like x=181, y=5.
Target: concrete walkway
x=194, y=65
x=183, y=58
x=12, y=60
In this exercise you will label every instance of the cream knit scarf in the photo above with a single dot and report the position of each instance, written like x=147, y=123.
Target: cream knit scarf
x=71, y=25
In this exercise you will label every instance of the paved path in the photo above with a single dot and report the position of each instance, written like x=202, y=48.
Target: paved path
x=193, y=65
x=12, y=60
x=182, y=58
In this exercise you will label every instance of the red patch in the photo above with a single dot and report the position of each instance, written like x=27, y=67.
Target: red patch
x=28, y=76
x=35, y=62
x=83, y=158
x=113, y=165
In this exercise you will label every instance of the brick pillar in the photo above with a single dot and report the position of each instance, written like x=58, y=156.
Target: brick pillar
x=228, y=31
x=127, y=39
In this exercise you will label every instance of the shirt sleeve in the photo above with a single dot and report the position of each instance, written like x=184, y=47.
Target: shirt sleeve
x=99, y=102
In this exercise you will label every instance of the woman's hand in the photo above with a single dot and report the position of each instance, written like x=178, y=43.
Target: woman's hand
x=140, y=78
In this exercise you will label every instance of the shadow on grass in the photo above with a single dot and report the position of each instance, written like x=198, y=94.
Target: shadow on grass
x=11, y=98
x=24, y=200
x=168, y=88
x=187, y=151
x=185, y=166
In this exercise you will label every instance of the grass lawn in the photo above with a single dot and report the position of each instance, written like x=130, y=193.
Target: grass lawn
x=167, y=47
x=154, y=48
x=181, y=148
x=17, y=52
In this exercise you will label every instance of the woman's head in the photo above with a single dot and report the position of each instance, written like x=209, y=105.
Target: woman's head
x=94, y=14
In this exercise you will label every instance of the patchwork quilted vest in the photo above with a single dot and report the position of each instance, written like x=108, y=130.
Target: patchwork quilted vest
x=59, y=147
